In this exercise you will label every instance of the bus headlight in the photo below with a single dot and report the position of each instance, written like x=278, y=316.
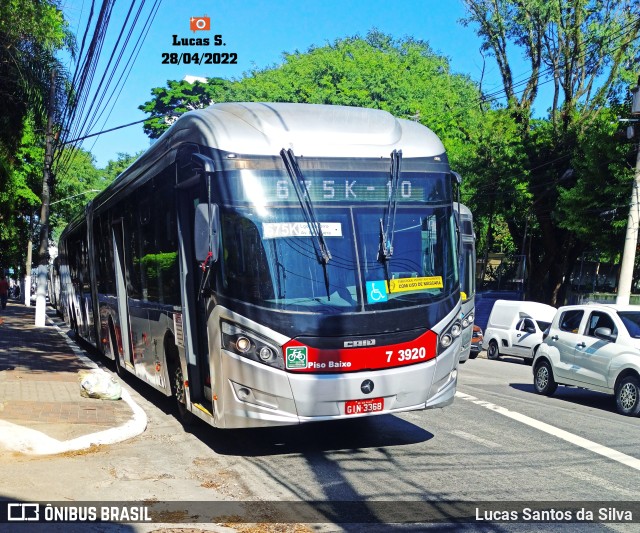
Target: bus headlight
x=446, y=340
x=465, y=322
x=243, y=344
x=251, y=345
x=266, y=354
x=449, y=334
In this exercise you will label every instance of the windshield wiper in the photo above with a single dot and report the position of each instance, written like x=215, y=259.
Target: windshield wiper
x=319, y=244
x=387, y=230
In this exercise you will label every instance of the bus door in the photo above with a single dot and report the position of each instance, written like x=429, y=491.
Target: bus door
x=120, y=261
x=191, y=192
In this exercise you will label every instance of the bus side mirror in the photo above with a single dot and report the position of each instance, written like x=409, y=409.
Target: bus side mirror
x=206, y=230
x=202, y=163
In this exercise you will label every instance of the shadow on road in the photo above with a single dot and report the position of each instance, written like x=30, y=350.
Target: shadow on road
x=584, y=397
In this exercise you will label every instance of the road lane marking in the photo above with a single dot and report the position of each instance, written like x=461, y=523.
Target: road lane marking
x=587, y=444
x=599, y=482
x=474, y=438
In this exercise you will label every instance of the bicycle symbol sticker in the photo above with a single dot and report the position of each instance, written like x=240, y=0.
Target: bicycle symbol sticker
x=376, y=291
x=297, y=357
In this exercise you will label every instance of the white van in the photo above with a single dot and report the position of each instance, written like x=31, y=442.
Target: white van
x=515, y=328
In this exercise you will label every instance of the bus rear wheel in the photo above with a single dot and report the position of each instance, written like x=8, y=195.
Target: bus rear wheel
x=178, y=391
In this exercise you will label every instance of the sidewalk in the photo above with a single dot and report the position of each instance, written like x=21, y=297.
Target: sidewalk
x=41, y=409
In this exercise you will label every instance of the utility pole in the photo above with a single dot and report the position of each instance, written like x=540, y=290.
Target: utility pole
x=27, y=276
x=631, y=239
x=47, y=183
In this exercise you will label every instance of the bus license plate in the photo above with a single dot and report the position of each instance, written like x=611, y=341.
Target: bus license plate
x=357, y=407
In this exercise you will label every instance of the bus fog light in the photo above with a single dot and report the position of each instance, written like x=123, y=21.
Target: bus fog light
x=243, y=344
x=243, y=393
x=465, y=322
x=266, y=353
x=456, y=330
x=470, y=317
x=446, y=340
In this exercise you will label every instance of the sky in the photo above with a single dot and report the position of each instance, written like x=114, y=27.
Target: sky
x=259, y=32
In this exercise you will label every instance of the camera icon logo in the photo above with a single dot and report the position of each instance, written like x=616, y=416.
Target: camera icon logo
x=199, y=23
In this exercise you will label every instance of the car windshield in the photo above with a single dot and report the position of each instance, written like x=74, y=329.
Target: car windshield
x=270, y=255
x=631, y=321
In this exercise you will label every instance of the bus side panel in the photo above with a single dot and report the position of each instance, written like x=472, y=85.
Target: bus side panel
x=152, y=367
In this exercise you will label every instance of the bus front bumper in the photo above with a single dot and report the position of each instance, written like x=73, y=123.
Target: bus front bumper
x=257, y=395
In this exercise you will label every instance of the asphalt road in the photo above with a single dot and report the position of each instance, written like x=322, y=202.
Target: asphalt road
x=499, y=442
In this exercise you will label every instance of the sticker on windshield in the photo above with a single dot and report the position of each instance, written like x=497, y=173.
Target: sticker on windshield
x=278, y=230
x=415, y=284
x=376, y=291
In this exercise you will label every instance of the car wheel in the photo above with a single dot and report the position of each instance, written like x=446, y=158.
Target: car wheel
x=543, y=379
x=473, y=355
x=493, y=352
x=628, y=396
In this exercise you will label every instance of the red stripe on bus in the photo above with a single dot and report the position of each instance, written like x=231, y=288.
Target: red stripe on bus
x=363, y=358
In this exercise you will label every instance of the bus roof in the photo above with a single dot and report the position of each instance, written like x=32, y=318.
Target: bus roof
x=311, y=130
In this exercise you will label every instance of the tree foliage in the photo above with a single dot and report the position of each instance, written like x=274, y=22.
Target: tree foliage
x=179, y=97
x=30, y=35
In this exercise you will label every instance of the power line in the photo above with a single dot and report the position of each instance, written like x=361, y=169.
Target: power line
x=90, y=100
x=109, y=130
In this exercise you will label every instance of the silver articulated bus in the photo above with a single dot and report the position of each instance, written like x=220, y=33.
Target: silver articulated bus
x=270, y=264
x=467, y=278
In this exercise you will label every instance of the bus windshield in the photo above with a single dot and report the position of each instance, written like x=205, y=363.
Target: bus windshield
x=270, y=256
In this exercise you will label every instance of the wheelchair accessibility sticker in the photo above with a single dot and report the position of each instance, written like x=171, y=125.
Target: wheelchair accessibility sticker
x=376, y=291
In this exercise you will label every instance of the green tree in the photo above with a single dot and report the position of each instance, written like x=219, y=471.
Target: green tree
x=19, y=199
x=80, y=182
x=180, y=97
x=581, y=47
x=30, y=35
x=116, y=166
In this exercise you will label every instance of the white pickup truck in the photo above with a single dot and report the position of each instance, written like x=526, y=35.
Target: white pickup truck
x=515, y=328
